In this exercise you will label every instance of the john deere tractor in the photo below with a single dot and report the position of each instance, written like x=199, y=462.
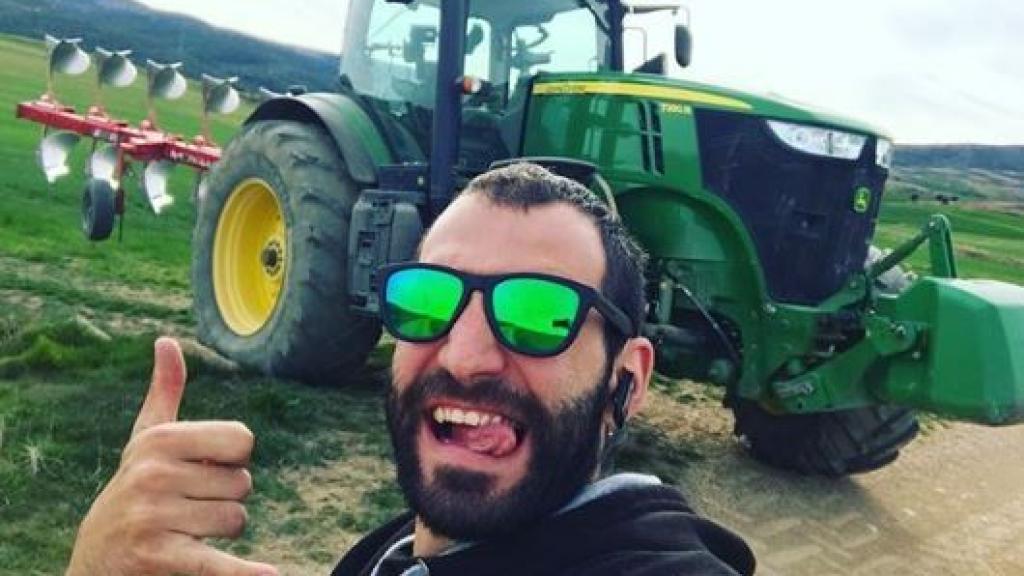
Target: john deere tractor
x=758, y=215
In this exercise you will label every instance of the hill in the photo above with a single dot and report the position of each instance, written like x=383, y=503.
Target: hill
x=970, y=172
x=962, y=156
x=168, y=37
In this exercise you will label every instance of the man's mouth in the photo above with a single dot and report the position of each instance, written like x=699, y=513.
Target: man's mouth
x=481, y=431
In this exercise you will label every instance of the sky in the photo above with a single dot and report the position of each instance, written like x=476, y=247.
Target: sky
x=926, y=71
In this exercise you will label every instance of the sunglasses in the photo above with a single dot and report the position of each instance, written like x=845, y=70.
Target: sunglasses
x=533, y=314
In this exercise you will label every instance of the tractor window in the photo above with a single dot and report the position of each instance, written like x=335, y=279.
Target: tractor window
x=569, y=42
x=478, y=49
x=389, y=57
x=390, y=52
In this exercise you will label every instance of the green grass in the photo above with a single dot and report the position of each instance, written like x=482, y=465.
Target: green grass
x=70, y=408
x=987, y=243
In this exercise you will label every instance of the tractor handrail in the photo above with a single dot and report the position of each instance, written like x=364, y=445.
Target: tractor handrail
x=938, y=233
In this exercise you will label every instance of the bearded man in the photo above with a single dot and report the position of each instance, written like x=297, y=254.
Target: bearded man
x=518, y=362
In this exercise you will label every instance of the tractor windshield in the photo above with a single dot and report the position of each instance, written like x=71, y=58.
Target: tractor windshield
x=390, y=59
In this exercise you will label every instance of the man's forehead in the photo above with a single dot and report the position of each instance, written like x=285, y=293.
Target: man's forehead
x=477, y=235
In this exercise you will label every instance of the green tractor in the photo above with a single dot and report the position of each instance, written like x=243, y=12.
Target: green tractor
x=758, y=215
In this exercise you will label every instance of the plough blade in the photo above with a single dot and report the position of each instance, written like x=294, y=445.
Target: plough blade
x=53, y=154
x=220, y=95
x=103, y=165
x=115, y=69
x=165, y=80
x=66, y=56
x=154, y=184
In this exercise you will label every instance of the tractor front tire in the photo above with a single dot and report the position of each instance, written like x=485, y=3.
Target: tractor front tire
x=270, y=253
x=828, y=444
x=831, y=443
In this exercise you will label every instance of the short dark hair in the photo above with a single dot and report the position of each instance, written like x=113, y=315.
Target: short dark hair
x=524, y=185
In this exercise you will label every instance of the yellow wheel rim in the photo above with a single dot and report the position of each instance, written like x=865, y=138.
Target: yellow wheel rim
x=249, y=257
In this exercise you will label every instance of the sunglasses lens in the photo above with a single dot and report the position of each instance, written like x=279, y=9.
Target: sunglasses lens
x=535, y=316
x=420, y=303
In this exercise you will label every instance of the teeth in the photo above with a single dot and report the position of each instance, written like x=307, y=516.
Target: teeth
x=443, y=415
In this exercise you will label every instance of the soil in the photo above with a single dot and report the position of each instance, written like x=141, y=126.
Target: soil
x=953, y=503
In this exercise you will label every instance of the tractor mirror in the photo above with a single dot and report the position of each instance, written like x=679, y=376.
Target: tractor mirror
x=474, y=38
x=684, y=45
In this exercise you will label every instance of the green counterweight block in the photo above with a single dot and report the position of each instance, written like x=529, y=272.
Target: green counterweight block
x=969, y=362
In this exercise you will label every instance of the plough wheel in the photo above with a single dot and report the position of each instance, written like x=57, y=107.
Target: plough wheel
x=98, y=200
x=270, y=256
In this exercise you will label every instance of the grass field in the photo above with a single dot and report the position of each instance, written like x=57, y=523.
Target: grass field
x=68, y=395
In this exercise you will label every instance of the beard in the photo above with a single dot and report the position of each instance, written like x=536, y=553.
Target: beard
x=458, y=503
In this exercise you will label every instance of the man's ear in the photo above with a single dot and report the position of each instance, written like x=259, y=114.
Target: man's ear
x=636, y=363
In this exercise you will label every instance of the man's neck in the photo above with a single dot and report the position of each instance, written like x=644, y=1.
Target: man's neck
x=426, y=542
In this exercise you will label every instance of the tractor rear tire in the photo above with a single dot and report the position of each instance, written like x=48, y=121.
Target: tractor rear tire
x=271, y=254
x=831, y=443
x=98, y=207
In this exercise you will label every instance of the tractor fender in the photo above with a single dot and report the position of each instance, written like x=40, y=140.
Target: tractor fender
x=359, y=142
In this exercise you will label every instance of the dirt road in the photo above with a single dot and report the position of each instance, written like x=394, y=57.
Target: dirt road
x=952, y=504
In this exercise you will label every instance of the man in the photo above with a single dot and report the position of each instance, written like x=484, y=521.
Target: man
x=518, y=361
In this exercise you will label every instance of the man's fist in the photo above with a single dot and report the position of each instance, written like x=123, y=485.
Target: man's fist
x=178, y=482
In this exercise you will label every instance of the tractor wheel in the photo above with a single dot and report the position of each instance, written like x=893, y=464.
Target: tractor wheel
x=98, y=201
x=830, y=443
x=270, y=256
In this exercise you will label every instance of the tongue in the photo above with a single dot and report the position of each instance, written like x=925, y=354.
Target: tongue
x=495, y=440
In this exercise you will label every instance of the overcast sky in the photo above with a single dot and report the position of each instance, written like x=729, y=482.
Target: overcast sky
x=928, y=71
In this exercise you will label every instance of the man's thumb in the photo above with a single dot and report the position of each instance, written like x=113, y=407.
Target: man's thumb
x=166, y=388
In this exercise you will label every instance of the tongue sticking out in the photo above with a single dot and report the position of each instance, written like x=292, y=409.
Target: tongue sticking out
x=495, y=440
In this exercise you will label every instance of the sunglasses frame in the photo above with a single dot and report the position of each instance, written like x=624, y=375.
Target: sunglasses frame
x=589, y=298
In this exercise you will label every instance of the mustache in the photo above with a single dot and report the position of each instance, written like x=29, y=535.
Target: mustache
x=495, y=392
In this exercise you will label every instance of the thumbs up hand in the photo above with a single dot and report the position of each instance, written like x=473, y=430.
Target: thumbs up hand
x=178, y=482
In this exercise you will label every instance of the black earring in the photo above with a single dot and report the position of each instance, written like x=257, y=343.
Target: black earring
x=620, y=398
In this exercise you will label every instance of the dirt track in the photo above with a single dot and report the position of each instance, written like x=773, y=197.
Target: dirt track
x=952, y=504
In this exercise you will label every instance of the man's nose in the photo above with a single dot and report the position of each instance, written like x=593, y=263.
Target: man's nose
x=470, y=350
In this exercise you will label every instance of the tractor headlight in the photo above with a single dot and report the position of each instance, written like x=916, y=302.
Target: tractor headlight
x=883, y=153
x=819, y=141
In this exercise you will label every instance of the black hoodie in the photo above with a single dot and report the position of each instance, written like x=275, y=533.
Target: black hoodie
x=634, y=531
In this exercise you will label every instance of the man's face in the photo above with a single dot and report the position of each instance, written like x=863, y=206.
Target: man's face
x=486, y=439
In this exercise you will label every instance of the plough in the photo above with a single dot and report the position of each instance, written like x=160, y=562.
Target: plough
x=116, y=144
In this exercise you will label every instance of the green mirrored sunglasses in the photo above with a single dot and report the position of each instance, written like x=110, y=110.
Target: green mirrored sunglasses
x=529, y=313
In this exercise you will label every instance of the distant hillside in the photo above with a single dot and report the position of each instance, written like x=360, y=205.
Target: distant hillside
x=964, y=156
x=166, y=37
x=968, y=172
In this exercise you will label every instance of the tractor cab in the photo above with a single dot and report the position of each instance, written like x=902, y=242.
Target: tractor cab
x=451, y=87
x=392, y=59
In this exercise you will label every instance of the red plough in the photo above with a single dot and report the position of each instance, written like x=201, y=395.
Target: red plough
x=116, y=144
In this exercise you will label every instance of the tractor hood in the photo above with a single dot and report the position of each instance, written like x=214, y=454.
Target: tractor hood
x=699, y=95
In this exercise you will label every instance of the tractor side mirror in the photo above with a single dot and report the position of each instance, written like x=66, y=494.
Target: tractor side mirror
x=684, y=45
x=474, y=38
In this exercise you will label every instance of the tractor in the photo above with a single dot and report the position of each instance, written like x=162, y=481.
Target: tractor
x=758, y=215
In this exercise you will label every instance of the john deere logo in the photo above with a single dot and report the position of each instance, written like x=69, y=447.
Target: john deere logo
x=862, y=200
